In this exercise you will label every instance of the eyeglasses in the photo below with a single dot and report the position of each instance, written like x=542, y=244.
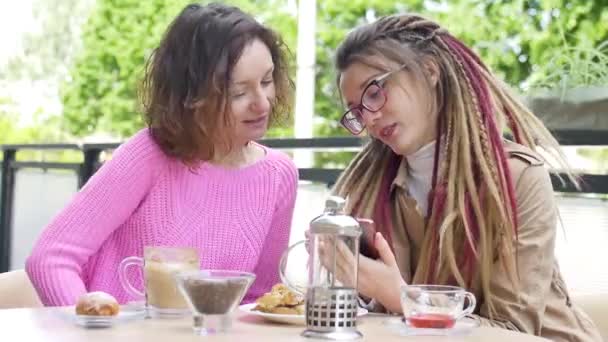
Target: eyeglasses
x=373, y=99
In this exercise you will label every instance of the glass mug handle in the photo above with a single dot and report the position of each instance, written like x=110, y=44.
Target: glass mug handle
x=470, y=306
x=283, y=268
x=122, y=275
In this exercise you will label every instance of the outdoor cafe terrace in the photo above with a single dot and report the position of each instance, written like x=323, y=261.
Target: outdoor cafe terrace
x=33, y=191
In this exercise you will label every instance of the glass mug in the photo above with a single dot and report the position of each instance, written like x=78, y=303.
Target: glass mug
x=435, y=306
x=160, y=264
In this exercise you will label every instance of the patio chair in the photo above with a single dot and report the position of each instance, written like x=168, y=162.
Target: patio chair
x=16, y=291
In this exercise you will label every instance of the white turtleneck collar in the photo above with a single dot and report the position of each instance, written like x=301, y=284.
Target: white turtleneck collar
x=420, y=174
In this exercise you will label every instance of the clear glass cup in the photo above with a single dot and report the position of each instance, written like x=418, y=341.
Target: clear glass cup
x=435, y=306
x=212, y=296
x=160, y=264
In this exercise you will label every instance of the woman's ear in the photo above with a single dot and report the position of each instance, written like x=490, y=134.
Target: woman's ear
x=432, y=70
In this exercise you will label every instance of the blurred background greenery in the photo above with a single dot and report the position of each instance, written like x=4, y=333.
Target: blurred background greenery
x=87, y=56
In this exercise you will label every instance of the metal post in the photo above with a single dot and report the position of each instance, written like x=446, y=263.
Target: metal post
x=305, y=78
x=6, y=209
x=91, y=158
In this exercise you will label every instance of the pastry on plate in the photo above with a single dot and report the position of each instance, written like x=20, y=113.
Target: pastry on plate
x=280, y=300
x=287, y=310
x=97, y=304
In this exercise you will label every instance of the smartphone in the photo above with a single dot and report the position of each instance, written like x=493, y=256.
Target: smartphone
x=367, y=246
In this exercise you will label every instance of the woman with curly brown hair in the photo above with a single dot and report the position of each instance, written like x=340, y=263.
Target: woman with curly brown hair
x=454, y=202
x=195, y=177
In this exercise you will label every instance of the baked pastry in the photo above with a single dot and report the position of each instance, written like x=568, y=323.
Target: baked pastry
x=97, y=304
x=280, y=300
x=288, y=310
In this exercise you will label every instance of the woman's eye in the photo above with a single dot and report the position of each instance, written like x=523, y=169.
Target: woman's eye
x=236, y=95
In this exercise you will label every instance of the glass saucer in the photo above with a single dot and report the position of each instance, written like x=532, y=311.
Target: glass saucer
x=128, y=312
x=463, y=326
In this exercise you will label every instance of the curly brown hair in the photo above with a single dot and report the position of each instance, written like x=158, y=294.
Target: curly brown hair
x=185, y=87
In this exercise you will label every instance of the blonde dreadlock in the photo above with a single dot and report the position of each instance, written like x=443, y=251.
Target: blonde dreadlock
x=472, y=201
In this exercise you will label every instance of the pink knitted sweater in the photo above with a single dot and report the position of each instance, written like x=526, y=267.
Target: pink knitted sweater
x=238, y=219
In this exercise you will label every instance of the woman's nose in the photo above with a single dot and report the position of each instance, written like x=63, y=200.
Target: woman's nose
x=261, y=103
x=370, y=118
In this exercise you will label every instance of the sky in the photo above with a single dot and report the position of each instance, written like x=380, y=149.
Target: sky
x=16, y=17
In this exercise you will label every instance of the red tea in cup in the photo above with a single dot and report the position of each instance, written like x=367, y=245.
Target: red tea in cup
x=435, y=306
x=432, y=321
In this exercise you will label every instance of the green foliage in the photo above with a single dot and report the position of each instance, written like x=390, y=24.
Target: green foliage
x=516, y=39
x=101, y=94
x=42, y=129
x=599, y=156
x=574, y=67
x=43, y=58
x=48, y=48
x=7, y=121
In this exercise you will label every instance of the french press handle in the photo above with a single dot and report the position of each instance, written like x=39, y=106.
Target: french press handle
x=299, y=289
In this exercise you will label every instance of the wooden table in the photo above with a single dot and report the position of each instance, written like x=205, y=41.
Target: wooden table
x=49, y=325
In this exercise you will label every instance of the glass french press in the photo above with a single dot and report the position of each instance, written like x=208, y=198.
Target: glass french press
x=331, y=290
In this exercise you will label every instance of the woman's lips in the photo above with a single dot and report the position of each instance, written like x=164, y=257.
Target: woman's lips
x=256, y=122
x=388, y=131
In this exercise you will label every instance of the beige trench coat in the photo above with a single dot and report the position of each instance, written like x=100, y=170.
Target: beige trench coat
x=545, y=308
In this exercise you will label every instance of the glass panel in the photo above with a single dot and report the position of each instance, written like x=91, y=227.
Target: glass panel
x=581, y=243
x=38, y=197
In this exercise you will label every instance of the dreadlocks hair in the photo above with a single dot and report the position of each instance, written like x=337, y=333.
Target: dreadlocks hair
x=472, y=220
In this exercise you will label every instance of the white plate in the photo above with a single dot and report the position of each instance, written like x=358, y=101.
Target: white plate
x=463, y=326
x=126, y=313
x=285, y=319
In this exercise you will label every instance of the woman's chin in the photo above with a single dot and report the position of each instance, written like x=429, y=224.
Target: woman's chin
x=258, y=135
x=401, y=149
x=252, y=135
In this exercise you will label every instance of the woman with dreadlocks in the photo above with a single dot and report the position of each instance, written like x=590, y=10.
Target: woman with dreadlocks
x=454, y=203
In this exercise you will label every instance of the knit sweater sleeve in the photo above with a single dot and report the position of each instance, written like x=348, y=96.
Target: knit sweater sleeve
x=107, y=200
x=277, y=239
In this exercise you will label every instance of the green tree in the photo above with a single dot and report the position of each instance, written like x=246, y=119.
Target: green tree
x=7, y=121
x=101, y=94
x=517, y=37
x=41, y=129
x=513, y=37
x=48, y=48
x=43, y=60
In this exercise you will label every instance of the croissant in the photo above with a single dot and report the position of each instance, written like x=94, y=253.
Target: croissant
x=97, y=304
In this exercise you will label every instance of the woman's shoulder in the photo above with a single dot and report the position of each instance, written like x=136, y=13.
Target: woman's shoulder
x=526, y=167
x=281, y=161
x=142, y=145
x=517, y=153
x=286, y=176
x=140, y=154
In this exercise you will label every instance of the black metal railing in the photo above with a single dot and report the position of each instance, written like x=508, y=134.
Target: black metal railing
x=91, y=153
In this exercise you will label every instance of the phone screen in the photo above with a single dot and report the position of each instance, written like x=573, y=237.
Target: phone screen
x=366, y=242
